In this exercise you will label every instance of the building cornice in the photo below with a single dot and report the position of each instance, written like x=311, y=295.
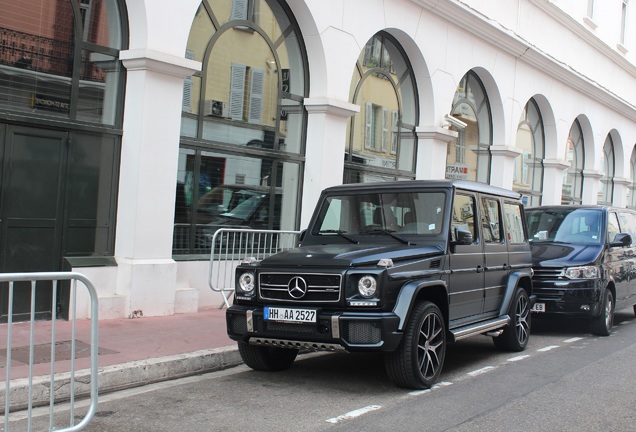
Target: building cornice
x=145, y=59
x=331, y=106
x=455, y=11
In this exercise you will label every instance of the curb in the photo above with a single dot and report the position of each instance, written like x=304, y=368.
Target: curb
x=120, y=377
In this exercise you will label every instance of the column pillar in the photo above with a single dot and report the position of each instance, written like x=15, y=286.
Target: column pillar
x=553, y=181
x=432, y=147
x=502, y=166
x=621, y=191
x=147, y=274
x=591, y=181
x=325, y=149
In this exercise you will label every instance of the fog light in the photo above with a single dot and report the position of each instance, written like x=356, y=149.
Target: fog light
x=585, y=307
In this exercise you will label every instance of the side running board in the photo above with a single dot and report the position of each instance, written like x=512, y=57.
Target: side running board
x=479, y=328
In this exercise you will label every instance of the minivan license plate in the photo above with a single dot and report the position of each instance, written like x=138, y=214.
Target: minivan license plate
x=538, y=307
x=292, y=315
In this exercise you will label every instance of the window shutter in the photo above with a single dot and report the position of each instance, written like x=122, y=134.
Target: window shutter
x=385, y=128
x=394, y=131
x=257, y=88
x=187, y=87
x=237, y=91
x=368, y=128
x=239, y=10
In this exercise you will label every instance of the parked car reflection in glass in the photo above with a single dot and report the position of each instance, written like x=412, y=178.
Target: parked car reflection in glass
x=235, y=206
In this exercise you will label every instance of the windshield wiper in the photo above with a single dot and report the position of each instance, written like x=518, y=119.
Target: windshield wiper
x=390, y=233
x=341, y=234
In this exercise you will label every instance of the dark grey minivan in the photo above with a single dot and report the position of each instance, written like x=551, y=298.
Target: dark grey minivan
x=584, y=261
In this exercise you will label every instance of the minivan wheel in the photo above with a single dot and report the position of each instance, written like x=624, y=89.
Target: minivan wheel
x=602, y=325
x=264, y=358
x=515, y=336
x=418, y=360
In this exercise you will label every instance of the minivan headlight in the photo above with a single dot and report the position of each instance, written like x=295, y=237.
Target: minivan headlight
x=583, y=272
x=367, y=286
x=246, y=283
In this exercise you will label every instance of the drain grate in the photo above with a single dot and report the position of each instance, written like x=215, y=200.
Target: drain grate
x=42, y=352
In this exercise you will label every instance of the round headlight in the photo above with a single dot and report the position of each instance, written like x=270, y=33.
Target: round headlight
x=367, y=286
x=246, y=282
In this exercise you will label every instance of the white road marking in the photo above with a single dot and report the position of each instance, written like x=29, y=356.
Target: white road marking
x=435, y=387
x=574, y=339
x=481, y=371
x=354, y=413
x=548, y=348
x=521, y=357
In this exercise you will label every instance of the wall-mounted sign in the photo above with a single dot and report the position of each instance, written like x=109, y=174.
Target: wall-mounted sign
x=50, y=103
x=457, y=171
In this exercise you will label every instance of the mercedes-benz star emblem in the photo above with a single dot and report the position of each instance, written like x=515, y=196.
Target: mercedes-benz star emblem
x=297, y=287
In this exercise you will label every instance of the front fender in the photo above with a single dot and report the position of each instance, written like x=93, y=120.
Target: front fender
x=409, y=292
x=511, y=286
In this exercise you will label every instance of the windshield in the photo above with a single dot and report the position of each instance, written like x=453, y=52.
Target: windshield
x=412, y=213
x=246, y=207
x=565, y=225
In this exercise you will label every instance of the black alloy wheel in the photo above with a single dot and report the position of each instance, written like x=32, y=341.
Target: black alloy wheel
x=417, y=362
x=602, y=324
x=516, y=335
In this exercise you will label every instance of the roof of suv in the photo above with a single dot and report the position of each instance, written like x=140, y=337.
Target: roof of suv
x=420, y=184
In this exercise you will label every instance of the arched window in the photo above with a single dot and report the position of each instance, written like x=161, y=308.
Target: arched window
x=573, y=175
x=243, y=122
x=606, y=191
x=469, y=155
x=381, y=137
x=528, y=175
x=59, y=59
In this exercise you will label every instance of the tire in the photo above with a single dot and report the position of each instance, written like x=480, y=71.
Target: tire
x=268, y=359
x=418, y=360
x=634, y=309
x=516, y=335
x=602, y=325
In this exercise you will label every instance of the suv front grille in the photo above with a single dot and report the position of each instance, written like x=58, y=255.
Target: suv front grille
x=317, y=287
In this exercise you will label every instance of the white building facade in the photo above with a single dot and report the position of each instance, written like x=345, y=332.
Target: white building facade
x=544, y=94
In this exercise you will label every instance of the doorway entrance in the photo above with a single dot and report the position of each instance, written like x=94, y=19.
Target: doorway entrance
x=33, y=163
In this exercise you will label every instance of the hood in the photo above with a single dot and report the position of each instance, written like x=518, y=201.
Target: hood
x=348, y=255
x=548, y=254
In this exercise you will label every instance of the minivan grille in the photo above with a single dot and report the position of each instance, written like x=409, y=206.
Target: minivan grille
x=542, y=273
x=303, y=287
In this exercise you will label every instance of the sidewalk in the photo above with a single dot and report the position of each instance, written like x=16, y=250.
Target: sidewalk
x=132, y=352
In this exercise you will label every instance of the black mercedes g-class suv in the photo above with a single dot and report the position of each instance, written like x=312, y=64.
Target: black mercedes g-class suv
x=401, y=268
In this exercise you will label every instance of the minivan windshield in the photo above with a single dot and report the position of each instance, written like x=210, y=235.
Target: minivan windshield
x=565, y=225
x=403, y=213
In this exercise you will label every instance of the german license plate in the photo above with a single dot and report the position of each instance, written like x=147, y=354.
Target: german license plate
x=291, y=315
x=538, y=307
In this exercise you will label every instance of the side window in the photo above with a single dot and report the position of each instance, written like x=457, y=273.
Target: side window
x=627, y=225
x=613, y=227
x=490, y=224
x=463, y=215
x=514, y=223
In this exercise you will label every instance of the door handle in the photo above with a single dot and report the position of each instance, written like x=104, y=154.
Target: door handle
x=479, y=269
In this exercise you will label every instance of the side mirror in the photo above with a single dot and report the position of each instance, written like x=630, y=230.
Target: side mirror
x=464, y=237
x=621, y=240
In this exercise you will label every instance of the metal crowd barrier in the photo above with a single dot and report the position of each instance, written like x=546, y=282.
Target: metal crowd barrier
x=55, y=406
x=230, y=246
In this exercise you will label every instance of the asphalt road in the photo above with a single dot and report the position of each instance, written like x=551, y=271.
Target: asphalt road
x=566, y=380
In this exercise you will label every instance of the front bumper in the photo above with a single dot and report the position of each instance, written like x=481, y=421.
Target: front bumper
x=569, y=297
x=334, y=330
